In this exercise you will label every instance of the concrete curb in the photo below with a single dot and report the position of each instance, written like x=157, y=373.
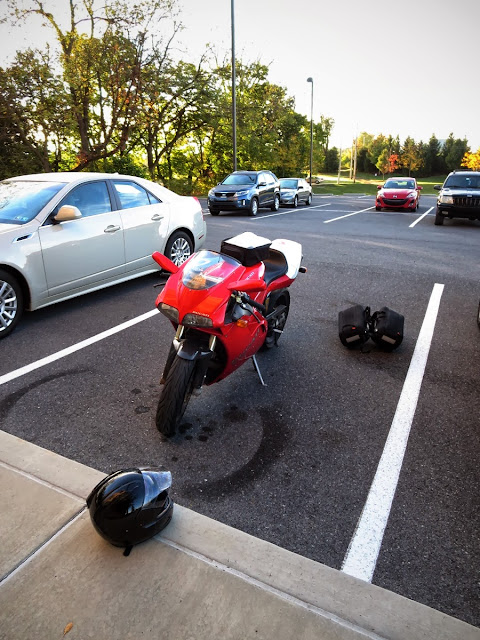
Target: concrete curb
x=240, y=570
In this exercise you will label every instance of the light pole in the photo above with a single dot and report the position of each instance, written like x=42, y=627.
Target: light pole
x=311, y=131
x=234, y=100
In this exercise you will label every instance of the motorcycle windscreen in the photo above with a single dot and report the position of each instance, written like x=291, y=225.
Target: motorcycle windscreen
x=207, y=269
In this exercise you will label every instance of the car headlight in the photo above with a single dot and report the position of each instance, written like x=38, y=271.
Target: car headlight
x=194, y=320
x=443, y=199
x=242, y=194
x=211, y=192
x=412, y=195
x=170, y=312
x=380, y=194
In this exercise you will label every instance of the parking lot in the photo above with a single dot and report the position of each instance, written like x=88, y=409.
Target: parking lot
x=295, y=462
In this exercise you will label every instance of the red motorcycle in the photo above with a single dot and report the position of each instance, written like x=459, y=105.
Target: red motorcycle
x=218, y=324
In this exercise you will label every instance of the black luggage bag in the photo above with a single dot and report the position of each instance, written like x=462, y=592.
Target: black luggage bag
x=353, y=328
x=387, y=328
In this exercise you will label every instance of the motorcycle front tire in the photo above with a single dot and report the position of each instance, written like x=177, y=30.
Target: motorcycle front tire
x=175, y=396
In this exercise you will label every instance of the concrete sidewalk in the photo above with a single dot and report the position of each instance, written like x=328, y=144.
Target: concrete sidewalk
x=198, y=580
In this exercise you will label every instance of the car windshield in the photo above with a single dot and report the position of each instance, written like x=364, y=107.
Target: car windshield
x=208, y=268
x=240, y=178
x=22, y=200
x=288, y=183
x=399, y=184
x=463, y=182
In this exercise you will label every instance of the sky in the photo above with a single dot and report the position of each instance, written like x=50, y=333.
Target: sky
x=406, y=69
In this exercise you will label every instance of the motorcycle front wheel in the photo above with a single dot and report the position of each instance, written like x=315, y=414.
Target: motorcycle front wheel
x=175, y=396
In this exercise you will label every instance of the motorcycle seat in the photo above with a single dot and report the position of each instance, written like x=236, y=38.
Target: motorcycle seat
x=275, y=266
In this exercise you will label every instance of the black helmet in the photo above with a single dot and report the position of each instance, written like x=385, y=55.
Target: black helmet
x=131, y=505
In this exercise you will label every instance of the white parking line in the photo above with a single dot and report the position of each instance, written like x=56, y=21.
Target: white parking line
x=362, y=553
x=75, y=347
x=347, y=215
x=284, y=213
x=420, y=218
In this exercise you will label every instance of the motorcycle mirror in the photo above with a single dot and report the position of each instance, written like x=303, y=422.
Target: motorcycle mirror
x=247, y=285
x=164, y=262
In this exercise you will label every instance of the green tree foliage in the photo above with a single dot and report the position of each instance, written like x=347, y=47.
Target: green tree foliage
x=453, y=152
x=433, y=162
x=410, y=156
x=376, y=148
x=34, y=109
x=383, y=162
x=102, y=69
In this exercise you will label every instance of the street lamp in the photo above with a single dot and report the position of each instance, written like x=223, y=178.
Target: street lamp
x=234, y=99
x=311, y=132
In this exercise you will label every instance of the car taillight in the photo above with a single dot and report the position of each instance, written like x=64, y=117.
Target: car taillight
x=198, y=202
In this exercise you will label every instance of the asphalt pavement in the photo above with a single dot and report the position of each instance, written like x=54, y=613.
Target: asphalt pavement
x=292, y=463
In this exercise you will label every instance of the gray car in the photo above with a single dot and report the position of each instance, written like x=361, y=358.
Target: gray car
x=66, y=234
x=247, y=191
x=295, y=190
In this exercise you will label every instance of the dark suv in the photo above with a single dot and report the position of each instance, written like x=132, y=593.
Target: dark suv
x=459, y=196
x=247, y=190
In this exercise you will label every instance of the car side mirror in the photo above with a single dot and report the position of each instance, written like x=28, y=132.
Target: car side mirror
x=419, y=187
x=66, y=213
x=262, y=184
x=379, y=186
x=437, y=186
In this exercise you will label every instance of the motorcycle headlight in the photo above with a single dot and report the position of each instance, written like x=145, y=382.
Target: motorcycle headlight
x=443, y=199
x=170, y=312
x=194, y=320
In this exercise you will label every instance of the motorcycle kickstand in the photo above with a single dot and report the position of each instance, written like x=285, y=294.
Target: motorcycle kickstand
x=257, y=369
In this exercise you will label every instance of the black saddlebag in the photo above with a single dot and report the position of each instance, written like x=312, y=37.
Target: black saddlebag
x=387, y=328
x=353, y=328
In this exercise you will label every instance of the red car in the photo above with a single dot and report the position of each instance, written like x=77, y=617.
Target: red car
x=398, y=193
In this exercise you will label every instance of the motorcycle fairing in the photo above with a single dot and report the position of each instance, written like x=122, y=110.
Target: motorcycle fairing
x=209, y=273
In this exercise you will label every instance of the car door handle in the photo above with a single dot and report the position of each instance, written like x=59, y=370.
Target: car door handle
x=156, y=217
x=112, y=228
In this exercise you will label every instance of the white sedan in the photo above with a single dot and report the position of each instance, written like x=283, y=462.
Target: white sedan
x=66, y=234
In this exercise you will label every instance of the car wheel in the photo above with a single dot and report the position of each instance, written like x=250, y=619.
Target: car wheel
x=253, y=207
x=276, y=203
x=295, y=202
x=309, y=199
x=214, y=212
x=378, y=208
x=11, y=303
x=438, y=219
x=179, y=248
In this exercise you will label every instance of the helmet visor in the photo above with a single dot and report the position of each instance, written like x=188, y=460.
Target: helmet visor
x=157, y=484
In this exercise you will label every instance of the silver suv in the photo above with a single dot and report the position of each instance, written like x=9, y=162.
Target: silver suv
x=459, y=196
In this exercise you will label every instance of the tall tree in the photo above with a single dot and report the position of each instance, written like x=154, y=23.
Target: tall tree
x=410, y=157
x=453, y=152
x=102, y=67
x=34, y=108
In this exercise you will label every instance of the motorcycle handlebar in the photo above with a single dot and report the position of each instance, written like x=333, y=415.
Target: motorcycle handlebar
x=253, y=303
